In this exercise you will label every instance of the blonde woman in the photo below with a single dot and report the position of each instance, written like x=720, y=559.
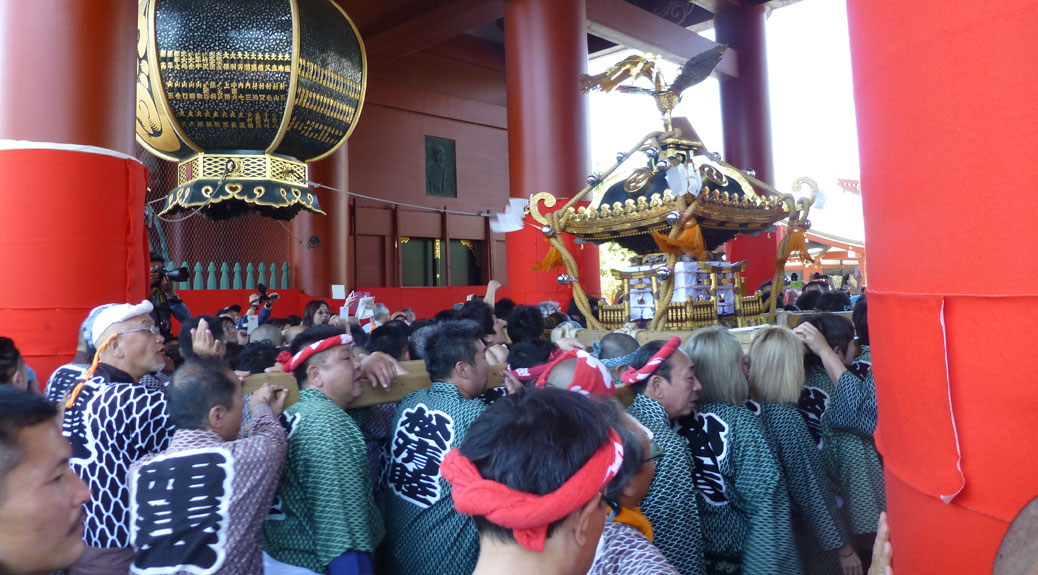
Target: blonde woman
x=743, y=503
x=776, y=378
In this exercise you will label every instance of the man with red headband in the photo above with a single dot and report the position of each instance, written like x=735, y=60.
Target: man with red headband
x=531, y=473
x=324, y=518
x=577, y=370
x=664, y=380
x=425, y=535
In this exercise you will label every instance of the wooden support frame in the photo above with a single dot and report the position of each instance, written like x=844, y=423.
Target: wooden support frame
x=426, y=29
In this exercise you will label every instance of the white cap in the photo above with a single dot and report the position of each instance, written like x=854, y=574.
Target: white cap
x=115, y=313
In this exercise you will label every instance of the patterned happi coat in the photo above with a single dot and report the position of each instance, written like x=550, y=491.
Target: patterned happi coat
x=324, y=505
x=63, y=379
x=818, y=525
x=112, y=423
x=743, y=501
x=623, y=550
x=850, y=456
x=671, y=504
x=198, y=506
x=424, y=534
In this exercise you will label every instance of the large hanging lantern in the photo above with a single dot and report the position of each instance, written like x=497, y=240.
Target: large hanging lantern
x=242, y=93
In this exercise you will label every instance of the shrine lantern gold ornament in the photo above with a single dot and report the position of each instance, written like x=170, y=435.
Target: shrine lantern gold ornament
x=242, y=94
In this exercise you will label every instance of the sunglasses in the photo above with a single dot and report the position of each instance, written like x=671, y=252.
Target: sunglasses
x=614, y=507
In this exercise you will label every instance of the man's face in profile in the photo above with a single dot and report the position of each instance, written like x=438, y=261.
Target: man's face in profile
x=41, y=505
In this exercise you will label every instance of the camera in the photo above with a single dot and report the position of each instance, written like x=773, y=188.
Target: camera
x=175, y=275
x=263, y=297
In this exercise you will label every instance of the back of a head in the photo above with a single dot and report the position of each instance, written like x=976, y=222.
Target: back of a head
x=533, y=441
x=481, y=313
x=184, y=340
x=381, y=312
x=776, y=365
x=390, y=339
x=530, y=353
x=269, y=333
x=10, y=360
x=306, y=337
x=525, y=322
x=837, y=330
x=197, y=387
x=448, y=343
x=561, y=374
x=256, y=357
x=634, y=453
x=292, y=332
x=294, y=320
x=416, y=343
x=807, y=300
x=19, y=409
x=445, y=315
x=860, y=319
x=614, y=345
x=1018, y=552
x=717, y=356
x=503, y=307
x=833, y=301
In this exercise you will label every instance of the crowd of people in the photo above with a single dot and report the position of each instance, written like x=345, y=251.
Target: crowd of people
x=682, y=456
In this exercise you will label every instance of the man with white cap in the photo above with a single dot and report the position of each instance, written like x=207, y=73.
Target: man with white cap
x=112, y=418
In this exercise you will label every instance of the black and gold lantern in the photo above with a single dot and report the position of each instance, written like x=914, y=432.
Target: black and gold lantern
x=242, y=93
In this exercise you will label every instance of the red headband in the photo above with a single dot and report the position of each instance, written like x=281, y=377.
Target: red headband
x=526, y=514
x=289, y=362
x=633, y=376
x=528, y=373
x=589, y=377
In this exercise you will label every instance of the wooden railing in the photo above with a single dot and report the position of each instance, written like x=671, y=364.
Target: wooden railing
x=226, y=276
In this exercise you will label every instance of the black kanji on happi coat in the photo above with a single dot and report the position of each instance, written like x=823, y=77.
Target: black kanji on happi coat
x=181, y=504
x=812, y=405
x=707, y=437
x=423, y=436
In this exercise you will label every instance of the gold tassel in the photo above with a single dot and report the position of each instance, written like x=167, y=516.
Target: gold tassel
x=550, y=261
x=797, y=246
x=689, y=241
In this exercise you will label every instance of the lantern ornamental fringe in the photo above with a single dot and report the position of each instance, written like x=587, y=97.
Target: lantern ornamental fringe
x=797, y=246
x=689, y=241
x=552, y=260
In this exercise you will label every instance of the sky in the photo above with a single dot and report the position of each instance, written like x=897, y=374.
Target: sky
x=812, y=109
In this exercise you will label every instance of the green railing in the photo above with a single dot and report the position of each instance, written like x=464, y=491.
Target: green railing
x=227, y=276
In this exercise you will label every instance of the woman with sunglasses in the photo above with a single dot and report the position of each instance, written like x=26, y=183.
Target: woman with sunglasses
x=776, y=377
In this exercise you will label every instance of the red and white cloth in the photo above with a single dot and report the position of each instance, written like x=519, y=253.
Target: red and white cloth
x=590, y=377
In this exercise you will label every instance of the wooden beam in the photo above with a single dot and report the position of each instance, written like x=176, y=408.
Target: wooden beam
x=431, y=28
x=715, y=6
x=631, y=26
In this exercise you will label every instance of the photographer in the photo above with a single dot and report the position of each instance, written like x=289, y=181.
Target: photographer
x=261, y=303
x=163, y=296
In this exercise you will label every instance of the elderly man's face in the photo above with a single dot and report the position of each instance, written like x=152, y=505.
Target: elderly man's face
x=142, y=351
x=41, y=505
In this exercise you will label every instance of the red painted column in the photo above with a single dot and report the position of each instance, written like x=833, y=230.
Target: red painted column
x=72, y=221
x=947, y=133
x=314, y=270
x=546, y=52
x=68, y=72
x=746, y=119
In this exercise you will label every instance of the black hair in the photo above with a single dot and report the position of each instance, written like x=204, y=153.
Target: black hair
x=390, y=338
x=642, y=357
x=186, y=350
x=294, y=320
x=448, y=343
x=833, y=301
x=530, y=353
x=419, y=324
x=807, y=300
x=573, y=310
x=481, y=313
x=360, y=338
x=503, y=307
x=533, y=441
x=525, y=322
x=19, y=409
x=764, y=285
x=416, y=342
x=445, y=315
x=311, y=309
x=306, y=337
x=860, y=319
x=197, y=387
x=279, y=322
x=10, y=358
x=836, y=329
x=616, y=345
x=634, y=452
x=257, y=356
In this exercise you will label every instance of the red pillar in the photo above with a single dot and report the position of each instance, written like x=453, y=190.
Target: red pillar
x=946, y=130
x=746, y=118
x=546, y=51
x=314, y=270
x=71, y=222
